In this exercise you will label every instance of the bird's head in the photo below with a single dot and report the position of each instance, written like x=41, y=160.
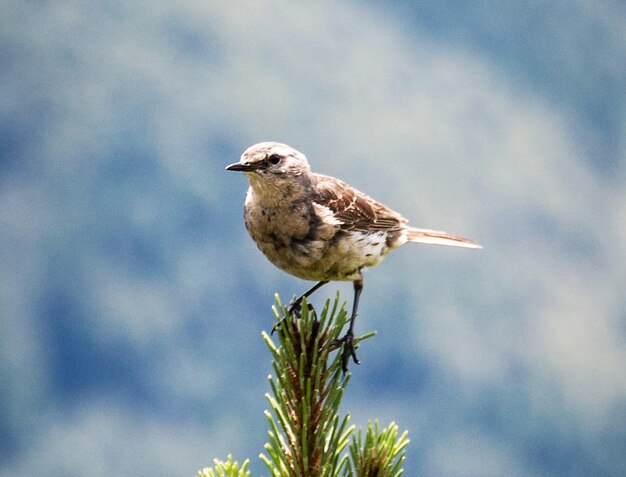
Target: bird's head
x=271, y=161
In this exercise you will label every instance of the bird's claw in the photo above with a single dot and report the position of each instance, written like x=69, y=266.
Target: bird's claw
x=295, y=308
x=277, y=326
x=349, y=350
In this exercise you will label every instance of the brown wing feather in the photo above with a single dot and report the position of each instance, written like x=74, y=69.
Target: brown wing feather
x=354, y=209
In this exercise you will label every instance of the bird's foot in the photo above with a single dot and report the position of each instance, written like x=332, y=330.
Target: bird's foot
x=294, y=310
x=349, y=350
x=277, y=326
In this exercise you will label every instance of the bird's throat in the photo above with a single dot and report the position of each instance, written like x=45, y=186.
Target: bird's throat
x=276, y=192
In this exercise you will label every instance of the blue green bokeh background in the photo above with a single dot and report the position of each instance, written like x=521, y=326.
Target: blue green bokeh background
x=132, y=299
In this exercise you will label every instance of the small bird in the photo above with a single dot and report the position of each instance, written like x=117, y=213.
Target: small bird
x=316, y=227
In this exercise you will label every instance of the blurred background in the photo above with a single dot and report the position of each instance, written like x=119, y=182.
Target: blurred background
x=132, y=299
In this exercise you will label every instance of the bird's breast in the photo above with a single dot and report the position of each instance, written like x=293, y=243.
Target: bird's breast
x=287, y=236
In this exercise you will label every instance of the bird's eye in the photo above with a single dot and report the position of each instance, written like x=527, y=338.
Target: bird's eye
x=274, y=159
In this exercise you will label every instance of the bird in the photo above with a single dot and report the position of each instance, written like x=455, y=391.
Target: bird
x=319, y=228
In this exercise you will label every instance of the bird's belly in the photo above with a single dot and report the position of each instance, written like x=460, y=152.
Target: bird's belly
x=356, y=250
x=340, y=258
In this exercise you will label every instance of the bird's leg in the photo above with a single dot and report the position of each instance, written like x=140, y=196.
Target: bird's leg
x=347, y=340
x=294, y=307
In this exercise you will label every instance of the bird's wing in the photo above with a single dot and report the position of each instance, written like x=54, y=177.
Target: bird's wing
x=355, y=210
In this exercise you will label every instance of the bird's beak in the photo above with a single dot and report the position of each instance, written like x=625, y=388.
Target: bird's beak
x=239, y=166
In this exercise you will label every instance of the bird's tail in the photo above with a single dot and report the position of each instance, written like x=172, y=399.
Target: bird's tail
x=436, y=237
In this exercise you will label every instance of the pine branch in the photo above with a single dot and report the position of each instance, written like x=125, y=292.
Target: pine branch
x=307, y=436
x=380, y=453
x=226, y=469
